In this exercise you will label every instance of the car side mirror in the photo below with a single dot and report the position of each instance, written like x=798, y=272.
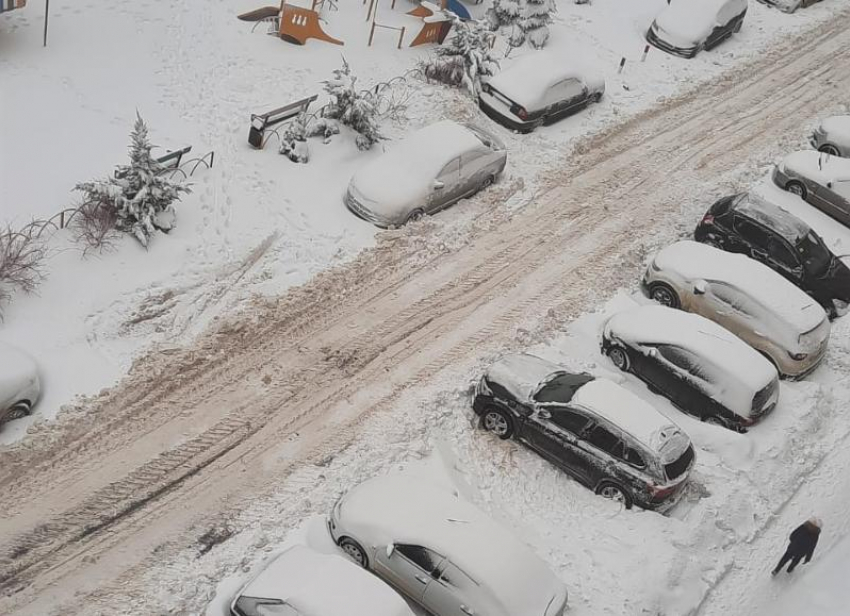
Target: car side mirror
x=699, y=287
x=438, y=185
x=829, y=185
x=390, y=549
x=544, y=414
x=653, y=352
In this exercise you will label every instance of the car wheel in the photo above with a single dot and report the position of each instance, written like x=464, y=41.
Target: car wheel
x=664, y=295
x=354, y=551
x=796, y=188
x=714, y=420
x=612, y=491
x=415, y=215
x=21, y=409
x=597, y=97
x=619, y=357
x=829, y=149
x=497, y=421
x=488, y=182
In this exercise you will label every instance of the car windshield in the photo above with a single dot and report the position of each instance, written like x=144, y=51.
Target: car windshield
x=815, y=255
x=561, y=387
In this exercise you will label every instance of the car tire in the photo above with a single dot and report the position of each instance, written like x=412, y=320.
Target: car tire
x=664, y=295
x=597, y=97
x=796, y=188
x=498, y=422
x=830, y=149
x=491, y=179
x=415, y=215
x=354, y=551
x=619, y=357
x=614, y=492
x=19, y=410
x=714, y=420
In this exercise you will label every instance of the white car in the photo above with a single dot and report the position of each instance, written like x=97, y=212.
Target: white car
x=443, y=552
x=426, y=172
x=789, y=6
x=685, y=27
x=820, y=179
x=304, y=582
x=702, y=368
x=540, y=88
x=833, y=136
x=20, y=386
x=746, y=297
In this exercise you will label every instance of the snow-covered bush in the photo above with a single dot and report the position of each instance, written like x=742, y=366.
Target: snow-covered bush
x=355, y=109
x=21, y=259
x=141, y=198
x=504, y=13
x=94, y=224
x=535, y=22
x=293, y=144
x=465, y=58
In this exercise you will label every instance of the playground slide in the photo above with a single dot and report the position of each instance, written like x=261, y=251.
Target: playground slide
x=260, y=13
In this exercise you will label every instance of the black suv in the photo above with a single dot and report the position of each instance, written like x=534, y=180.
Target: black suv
x=749, y=225
x=607, y=438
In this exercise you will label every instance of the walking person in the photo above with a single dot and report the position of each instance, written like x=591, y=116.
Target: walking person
x=801, y=544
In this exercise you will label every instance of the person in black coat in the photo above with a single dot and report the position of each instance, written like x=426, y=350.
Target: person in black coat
x=802, y=544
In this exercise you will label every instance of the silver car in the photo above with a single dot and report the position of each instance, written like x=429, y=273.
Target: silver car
x=747, y=298
x=833, y=136
x=820, y=179
x=20, y=386
x=443, y=552
x=428, y=171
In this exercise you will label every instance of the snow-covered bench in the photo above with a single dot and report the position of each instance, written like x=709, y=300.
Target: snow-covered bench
x=260, y=122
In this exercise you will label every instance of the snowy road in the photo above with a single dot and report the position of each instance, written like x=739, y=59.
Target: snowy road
x=191, y=436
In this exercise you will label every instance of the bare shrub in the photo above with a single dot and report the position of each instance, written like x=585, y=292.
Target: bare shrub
x=21, y=263
x=95, y=225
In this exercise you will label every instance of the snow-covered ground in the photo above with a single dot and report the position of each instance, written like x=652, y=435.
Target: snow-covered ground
x=255, y=224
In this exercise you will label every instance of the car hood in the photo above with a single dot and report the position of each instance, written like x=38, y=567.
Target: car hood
x=390, y=188
x=837, y=128
x=521, y=373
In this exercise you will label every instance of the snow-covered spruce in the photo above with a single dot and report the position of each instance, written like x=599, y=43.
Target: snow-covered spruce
x=356, y=109
x=466, y=58
x=504, y=13
x=534, y=25
x=141, y=197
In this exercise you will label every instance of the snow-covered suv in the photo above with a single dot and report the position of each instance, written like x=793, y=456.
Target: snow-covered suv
x=607, y=438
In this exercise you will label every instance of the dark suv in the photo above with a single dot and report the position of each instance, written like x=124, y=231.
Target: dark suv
x=607, y=438
x=750, y=225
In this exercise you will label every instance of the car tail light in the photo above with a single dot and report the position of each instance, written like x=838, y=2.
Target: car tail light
x=519, y=111
x=660, y=492
x=708, y=219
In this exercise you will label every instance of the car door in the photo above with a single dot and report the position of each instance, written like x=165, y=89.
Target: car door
x=560, y=440
x=410, y=568
x=453, y=593
x=474, y=170
x=755, y=238
x=607, y=447
x=573, y=96
x=689, y=385
x=447, y=186
x=837, y=198
x=649, y=367
x=783, y=259
x=731, y=308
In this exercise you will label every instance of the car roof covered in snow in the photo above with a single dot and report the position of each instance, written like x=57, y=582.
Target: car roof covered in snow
x=692, y=20
x=324, y=585
x=528, y=78
x=694, y=261
x=405, y=171
x=773, y=217
x=522, y=373
x=626, y=411
x=399, y=509
x=837, y=128
x=654, y=324
x=818, y=166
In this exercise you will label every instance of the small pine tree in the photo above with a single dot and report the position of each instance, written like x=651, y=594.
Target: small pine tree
x=466, y=58
x=355, y=109
x=293, y=145
x=535, y=22
x=504, y=13
x=141, y=198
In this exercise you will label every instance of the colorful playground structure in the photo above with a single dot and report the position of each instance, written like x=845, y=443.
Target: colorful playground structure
x=11, y=5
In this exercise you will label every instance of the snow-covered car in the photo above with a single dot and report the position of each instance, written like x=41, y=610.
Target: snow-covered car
x=304, y=582
x=608, y=439
x=833, y=136
x=540, y=88
x=442, y=551
x=426, y=172
x=748, y=224
x=820, y=179
x=789, y=6
x=747, y=298
x=685, y=27
x=20, y=386
x=702, y=368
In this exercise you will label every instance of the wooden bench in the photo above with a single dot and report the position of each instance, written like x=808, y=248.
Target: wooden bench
x=260, y=122
x=171, y=160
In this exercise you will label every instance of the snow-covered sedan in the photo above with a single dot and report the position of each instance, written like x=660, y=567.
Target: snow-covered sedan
x=604, y=436
x=20, y=386
x=540, y=88
x=789, y=6
x=833, y=136
x=818, y=178
x=747, y=298
x=685, y=27
x=702, y=368
x=304, y=582
x=426, y=172
x=442, y=551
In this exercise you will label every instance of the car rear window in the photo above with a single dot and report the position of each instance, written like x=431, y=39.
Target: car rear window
x=677, y=469
x=562, y=388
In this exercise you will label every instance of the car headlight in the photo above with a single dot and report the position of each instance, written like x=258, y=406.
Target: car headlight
x=798, y=356
x=249, y=606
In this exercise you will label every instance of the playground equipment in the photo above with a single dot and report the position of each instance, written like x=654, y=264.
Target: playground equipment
x=11, y=5
x=295, y=24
